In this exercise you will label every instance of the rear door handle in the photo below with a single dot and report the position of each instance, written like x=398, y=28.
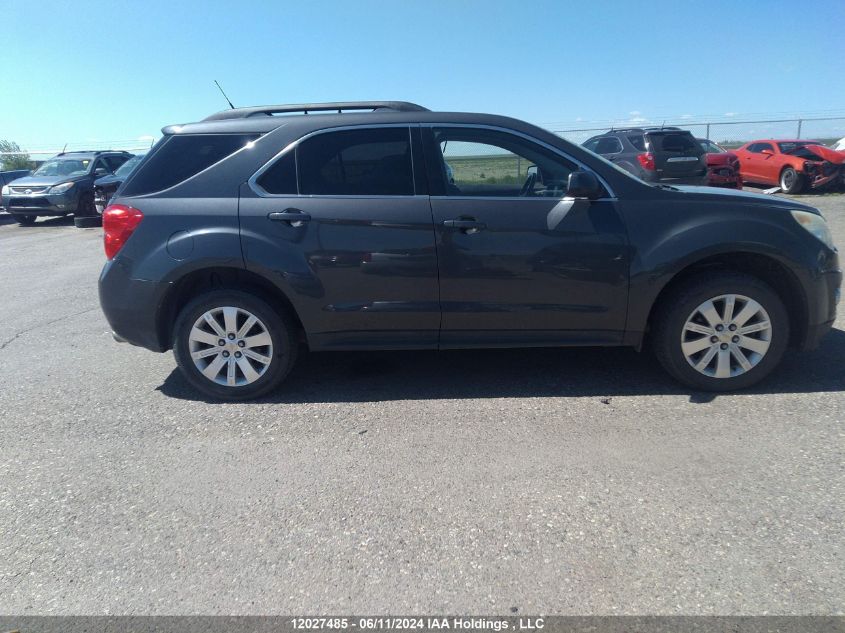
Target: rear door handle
x=469, y=225
x=294, y=216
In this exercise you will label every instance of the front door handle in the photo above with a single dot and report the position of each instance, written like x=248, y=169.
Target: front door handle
x=468, y=225
x=294, y=216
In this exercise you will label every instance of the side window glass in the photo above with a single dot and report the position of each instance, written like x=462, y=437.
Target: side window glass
x=366, y=162
x=280, y=177
x=766, y=146
x=479, y=162
x=638, y=141
x=592, y=144
x=609, y=145
x=114, y=162
x=100, y=163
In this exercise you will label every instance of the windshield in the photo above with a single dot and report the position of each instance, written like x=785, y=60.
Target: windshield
x=790, y=146
x=126, y=168
x=710, y=147
x=64, y=167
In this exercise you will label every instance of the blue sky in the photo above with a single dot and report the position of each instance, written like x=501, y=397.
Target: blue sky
x=100, y=70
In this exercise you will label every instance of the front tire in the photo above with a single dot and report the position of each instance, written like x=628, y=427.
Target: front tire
x=26, y=220
x=721, y=331
x=791, y=181
x=231, y=345
x=85, y=208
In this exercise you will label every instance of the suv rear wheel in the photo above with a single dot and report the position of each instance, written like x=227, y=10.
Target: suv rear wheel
x=721, y=331
x=231, y=345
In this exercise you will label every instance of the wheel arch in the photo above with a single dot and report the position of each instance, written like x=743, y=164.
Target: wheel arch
x=768, y=269
x=203, y=280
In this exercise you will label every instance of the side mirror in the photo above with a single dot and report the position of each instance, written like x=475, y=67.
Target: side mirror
x=583, y=184
x=767, y=152
x=100, y=172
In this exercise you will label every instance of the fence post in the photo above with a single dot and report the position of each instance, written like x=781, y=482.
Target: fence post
x=707, y=136
x=799, y=129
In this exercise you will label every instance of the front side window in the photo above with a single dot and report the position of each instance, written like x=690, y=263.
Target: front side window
x=366, y=162
x=490, y=163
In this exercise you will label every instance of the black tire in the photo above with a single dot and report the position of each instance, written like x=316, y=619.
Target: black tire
x=679, y=305
x=791, y=181
x=278, y=325
x=26, y=220
x=88, y=222
x=85, y=208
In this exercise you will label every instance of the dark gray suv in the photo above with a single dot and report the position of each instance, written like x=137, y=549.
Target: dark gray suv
x=382, y=225
x=61, y=185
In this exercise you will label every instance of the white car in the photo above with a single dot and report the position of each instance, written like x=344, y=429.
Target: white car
x=840, y=145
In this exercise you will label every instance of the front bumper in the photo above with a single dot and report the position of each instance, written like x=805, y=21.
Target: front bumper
x=131, y=306
x=723, y=177
x=40, y=204
x=826, y=294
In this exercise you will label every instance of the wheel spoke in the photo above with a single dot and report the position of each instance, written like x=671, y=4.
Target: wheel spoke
x=723, y=364
x=749, y=310
x=709, y=312
x=259, y=340
x=754, y=344
x=740, y=357
x=209, y=318
x=693, y=347
x=730, y=302
x=230, y=319
x=205, y=353
x=697, y=327
x=230, y=372
x=214, y=367
x=264, y=360
x=706, y=359
x=755, y=327
x=247, y=326
x=201, y=336
x=249, y=372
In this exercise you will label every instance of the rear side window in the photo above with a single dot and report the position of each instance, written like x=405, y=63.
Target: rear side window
x=608, y=145
x=280, y=177
x=180, y=157
x=638, y=141
x=369, y=162
x=672, y=142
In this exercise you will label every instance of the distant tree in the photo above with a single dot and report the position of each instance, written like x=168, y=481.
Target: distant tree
x=17, y=160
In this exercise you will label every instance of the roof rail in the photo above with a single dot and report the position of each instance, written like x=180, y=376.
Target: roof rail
x=305, y=108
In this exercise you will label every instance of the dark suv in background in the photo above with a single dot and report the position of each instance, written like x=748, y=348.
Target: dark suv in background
x=384, y=225
x=62, y=185
x=665, y=154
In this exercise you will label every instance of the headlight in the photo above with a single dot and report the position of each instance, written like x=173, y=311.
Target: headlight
x=4, y=191
x=816, y=225
x=61, y=188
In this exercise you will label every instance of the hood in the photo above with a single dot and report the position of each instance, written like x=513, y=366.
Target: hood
x=722, y=158
x=45, y=181
x=825, y=153
x=745, y=197
x=105, y=181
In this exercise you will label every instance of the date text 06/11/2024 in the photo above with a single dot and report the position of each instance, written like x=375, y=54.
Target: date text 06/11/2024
x=419, y=623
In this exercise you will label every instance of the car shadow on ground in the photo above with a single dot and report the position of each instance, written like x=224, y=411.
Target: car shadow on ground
x=45, y=222
x=518, y=373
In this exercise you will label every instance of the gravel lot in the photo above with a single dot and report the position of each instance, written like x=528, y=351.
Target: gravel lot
x=555, y=481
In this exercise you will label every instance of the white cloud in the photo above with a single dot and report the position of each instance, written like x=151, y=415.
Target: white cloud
x=686, y=116
x=731, y=113
x=635, y=113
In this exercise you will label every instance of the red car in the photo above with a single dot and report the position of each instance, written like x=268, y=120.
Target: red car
x=722, y=165
x=792, y=165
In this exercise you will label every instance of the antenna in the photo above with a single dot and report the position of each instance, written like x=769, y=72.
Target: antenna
x=224, y=95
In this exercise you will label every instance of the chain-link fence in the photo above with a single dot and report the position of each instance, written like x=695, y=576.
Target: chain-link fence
x=734, y=133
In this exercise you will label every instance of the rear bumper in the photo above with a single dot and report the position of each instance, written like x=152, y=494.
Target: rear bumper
x=131, y=306
x=686, y=180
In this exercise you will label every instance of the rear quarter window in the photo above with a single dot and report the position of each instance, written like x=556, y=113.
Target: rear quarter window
x=181, y=156
x=673, y=142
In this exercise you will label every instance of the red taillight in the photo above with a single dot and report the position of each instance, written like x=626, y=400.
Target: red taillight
x=119, y=222
x=646, y=161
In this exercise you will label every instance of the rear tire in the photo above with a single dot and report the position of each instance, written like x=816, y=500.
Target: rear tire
x=791, y=181
x=729, y=344
x=265, y=351
x=26, y=220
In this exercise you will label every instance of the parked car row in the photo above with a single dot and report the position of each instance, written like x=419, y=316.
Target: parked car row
x=672, y=155
x=70, y=182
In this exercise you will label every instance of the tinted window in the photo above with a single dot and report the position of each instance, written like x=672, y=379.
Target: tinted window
x=114, y=162
x=181, y=156
x=478, y=162
x=370, y=162
x=592, y=144
x=638, y=141
x=668, y=142
x=280, y=177
x=759, y=147
x=710, y=147
x=609, y=145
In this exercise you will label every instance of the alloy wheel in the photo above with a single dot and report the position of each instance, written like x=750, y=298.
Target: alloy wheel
x=726, y=336
x=230, y=346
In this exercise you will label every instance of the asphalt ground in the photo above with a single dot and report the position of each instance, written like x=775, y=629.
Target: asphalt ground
x=578, y=481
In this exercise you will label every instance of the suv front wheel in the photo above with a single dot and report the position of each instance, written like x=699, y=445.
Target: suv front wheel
x=721, y=331
x=231, y=345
